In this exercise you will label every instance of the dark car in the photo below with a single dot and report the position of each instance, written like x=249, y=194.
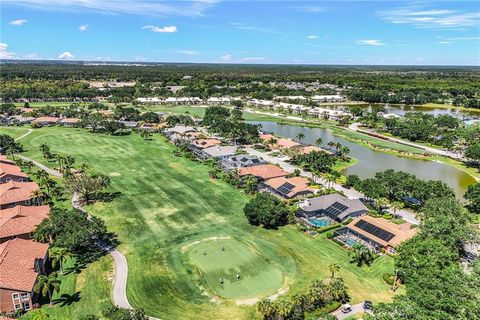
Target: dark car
x=368, y=305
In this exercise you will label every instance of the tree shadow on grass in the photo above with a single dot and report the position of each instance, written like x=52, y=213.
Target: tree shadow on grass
x=107, y=196
x=67, y=299
x=76, y=268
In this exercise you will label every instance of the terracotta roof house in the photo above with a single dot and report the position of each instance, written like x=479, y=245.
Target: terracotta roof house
x=21, y=261
x=281, y=143
x=332, y=206
x=10, y=172
x=375, y=233
x=4, y=159
x=263, y=171
x=26, y=110
x=21, y=221
x=47, y=121
x=69, y=122
x=17, y=193
x=266, y=136
x=309, y=149
x=240, y=161
x=289, y=187
x=205, y=143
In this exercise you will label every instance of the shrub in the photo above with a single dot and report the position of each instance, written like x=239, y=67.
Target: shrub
x=330, y=235
x=388, y=278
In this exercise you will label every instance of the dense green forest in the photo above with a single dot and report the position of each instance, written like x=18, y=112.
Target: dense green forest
x=386, y=84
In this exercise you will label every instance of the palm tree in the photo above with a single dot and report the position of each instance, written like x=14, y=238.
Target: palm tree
x=284, y=308
x=59, y=256
x=41, y=175
x=396, y=206
x=334, y=267
x=300, y=137
x=46, y=284
x=361, y=254
x=331, y=144
x=331, y=179
x=40, y=314
x=29, y=165
x=319, y=141
x=250, y=184
x=145, y=134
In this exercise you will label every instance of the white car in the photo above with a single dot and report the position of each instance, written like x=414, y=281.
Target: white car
x=346, y=308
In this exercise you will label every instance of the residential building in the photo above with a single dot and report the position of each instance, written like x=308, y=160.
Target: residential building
x=327, y=113
x=18, y=193
x=21, y=221
x=334, y=207
x=129, y=124
x=5, y=160
x=328, y=98
x=222, y=100
x=281, y=143
x=240, y=161
x=375, y=233
x=69, y=122
x=263, y=172
x=21, y=262
x=11, y=172
x=205, y=143
x=289, y=187
x=183, y=100
x=218, y=152
x=47, y=121
x=150, y=100
x=178, y=132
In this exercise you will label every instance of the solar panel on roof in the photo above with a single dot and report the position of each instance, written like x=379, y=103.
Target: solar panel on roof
x=336, y=208
x=286, y=188
x=244, y=159
x=255, y=160
x=374, y=230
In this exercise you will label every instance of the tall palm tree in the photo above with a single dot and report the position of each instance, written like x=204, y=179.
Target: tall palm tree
x=334, y=267
x=331, y=144
x=300, y=137
x=318, y=141
x=41, y=175
x=46, y=284
x=59, y=256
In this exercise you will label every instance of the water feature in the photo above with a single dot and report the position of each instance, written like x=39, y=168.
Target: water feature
x=371, y=162
x=458, y=113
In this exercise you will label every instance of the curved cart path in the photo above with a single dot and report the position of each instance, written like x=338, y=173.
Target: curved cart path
x=120, y=274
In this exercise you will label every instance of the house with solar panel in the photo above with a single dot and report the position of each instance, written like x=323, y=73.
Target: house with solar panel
x=289, y=188
x=330, y=209
x=377, y=234
x=241, y=161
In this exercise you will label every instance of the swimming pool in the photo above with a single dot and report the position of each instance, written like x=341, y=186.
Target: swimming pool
x=319, y=222
x=350, y=242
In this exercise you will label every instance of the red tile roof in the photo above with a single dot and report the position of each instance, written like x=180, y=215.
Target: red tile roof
x=21, y=219
x=206, y=143
x=300, y=184
x=47, y=119
x=17, y=259
x=4, y=159
x=7, y=169
x=70, y=120
x=264, y=171
x=13, y=192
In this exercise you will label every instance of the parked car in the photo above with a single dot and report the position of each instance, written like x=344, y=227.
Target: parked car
x=346, y=308
x=367, y=305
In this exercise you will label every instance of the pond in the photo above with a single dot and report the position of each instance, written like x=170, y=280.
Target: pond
x=454, y=112
x=371, y=162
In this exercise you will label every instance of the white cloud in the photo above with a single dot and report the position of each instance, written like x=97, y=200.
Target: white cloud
x=4, y=54
x=252, y=59
x=420, y=17
x=312, y=36
x=32, y=56
x=243, y=26
x=18, y=22
x=370, y=42
x=188, y=52
x=166, y=29
x=137, y=7
x=226, y=58
x=83, y=27
x=311, y=9
x=66, y=55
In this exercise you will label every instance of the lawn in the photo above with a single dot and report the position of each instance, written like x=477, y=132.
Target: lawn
x=164, y=203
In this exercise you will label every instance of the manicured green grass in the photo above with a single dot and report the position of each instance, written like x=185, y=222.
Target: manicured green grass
x=82, y=293
x=164, y=203
x=220, y=261
x=15, y=132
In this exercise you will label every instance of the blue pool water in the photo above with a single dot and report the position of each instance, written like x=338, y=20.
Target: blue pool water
x=350, y=242
x=319, y=223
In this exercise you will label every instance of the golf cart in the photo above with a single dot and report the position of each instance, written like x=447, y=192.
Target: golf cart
x=367, y=305
x=346, y=308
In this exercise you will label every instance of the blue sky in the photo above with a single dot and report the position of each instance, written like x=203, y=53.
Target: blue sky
x=292, y=32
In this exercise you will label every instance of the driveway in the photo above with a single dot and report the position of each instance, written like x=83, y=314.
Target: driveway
x=349, y=193
x=356, y=308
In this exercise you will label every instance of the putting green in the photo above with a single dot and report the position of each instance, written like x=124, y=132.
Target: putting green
x=258, y=276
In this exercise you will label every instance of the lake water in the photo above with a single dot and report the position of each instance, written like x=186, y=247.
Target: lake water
x=460, y=114
x=371, y=162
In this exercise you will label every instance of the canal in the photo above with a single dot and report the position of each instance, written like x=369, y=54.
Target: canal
x=370, y=161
